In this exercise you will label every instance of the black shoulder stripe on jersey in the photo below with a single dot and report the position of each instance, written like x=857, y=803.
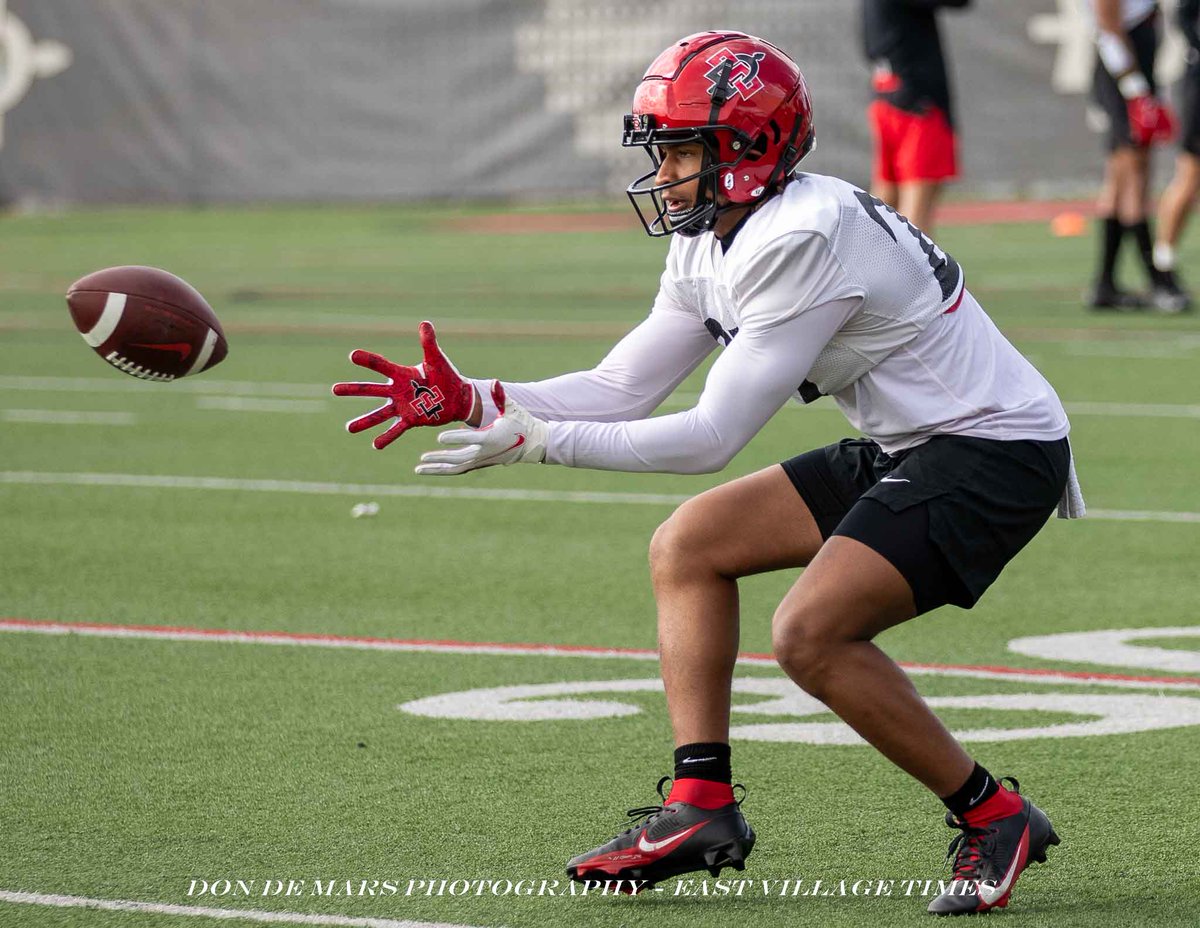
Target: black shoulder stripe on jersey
x=946, y=270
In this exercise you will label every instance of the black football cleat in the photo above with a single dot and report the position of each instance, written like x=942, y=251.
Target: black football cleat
x=990, y=857
x=668, y=840
x=1168, y=295
x=1105, y=297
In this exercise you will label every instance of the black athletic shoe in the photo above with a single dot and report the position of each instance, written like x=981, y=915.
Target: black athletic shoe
x=1168, y=296
x=668, y=840
x=1107, y=297
x=991, y=857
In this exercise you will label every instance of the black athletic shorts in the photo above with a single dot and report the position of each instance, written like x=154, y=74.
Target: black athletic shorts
x=1189, y=109
x=948, y=514
x=1144, y=37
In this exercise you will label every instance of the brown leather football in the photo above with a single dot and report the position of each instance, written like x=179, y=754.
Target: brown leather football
x=147, y=322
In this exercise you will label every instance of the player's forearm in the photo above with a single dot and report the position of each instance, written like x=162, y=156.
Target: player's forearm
x=754, y=376
x=591, y=396
x=683, y=443
x=629, y=383
x=1112, y=41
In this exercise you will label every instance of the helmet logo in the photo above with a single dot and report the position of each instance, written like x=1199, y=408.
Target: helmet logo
x=743, y=76
x=728, y=180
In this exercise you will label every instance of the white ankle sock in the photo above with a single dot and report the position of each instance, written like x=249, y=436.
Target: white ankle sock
x=1164, y=257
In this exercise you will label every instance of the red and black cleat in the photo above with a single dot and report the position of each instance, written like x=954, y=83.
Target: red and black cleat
x=667, y=840
x=991, y=856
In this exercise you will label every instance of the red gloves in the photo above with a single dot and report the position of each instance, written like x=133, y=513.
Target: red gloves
x=1151, y=120
x=432, y=393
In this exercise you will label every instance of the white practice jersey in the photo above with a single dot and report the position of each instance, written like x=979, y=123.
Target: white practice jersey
x=824, y=290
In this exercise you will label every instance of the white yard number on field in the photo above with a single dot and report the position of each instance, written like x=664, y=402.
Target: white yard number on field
x=1099, y=714
x=782, y=701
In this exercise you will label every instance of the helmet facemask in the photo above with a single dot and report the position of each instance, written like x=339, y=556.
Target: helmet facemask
x=647, y=196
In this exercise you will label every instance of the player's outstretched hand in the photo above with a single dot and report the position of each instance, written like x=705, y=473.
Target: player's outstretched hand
x=431, y=393
x=515, y=437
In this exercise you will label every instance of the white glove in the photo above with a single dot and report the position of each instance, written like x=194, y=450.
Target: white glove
x=515, y=437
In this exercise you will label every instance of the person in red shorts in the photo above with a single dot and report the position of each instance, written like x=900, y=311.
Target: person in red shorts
x=910, y=115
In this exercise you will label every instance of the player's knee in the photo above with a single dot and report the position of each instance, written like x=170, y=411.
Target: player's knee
x=674, y=547
x=802, y=647
x=1189, y=173
x=685, y=546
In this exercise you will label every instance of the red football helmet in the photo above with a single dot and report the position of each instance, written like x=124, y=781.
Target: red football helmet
x=744, y=100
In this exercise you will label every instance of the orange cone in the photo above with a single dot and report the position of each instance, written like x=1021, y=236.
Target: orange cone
x=1068, y=225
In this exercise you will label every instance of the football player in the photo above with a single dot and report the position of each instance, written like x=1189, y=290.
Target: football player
x=1180, y=196
x=1127, y=41
x=811, y=287
x=916, y=150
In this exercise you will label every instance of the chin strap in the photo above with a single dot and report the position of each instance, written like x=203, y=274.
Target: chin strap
x=790, y=154
x=708, y=186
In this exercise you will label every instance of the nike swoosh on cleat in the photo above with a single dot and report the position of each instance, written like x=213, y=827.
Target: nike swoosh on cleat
x=894, y=480
x=183, y=349
x=650, y=846
x=990, y=896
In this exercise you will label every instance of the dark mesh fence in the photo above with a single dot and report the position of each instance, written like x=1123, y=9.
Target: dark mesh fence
x=209, y=100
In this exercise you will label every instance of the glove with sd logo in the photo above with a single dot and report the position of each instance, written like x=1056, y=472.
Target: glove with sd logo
x=515, y=437
x=430, y=393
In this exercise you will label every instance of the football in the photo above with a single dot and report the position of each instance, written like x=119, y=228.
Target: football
x=146, y=322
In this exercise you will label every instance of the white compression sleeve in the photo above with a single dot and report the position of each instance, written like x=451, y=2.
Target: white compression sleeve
x=1114, y=53
x=747, y=385
x=633, y=379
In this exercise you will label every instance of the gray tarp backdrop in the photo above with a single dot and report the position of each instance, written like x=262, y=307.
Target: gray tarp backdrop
x=217, y=100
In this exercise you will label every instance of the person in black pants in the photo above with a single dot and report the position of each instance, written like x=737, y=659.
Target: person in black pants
x=1127, y=41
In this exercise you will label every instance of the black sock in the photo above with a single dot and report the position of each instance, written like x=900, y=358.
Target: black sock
x=979, y=788
x=704, y=760
x=1111, y=240
x=1141, y=235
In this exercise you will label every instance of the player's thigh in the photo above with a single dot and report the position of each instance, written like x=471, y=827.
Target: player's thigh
x=1187, y=169
x=849, y=592
x=881, y=118
x=887, y=191
x=750, y=525
x=917, y=198
x=1189, y=112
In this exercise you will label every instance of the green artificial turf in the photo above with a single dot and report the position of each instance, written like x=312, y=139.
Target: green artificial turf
x=130, y=767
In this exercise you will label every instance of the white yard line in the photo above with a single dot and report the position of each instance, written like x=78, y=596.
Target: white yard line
x=1081, y=408
x=198, y=911
x=368, y=490
x=38, y=478
x=1182, y=349
x=253, y=404
x=1138, y=515
x=1135, y=410
x=243, y=388
x=122, y=384
x=66, y=417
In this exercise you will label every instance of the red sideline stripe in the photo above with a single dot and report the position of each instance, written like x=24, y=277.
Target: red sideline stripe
x=218, y=634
